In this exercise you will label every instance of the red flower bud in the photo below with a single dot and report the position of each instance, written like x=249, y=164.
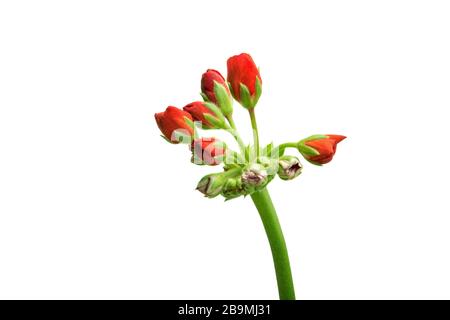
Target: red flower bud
x=325, y=146
x=243, y=71
x=208, y=151
x=198, y=110
x=173, y=121
x=207, y=84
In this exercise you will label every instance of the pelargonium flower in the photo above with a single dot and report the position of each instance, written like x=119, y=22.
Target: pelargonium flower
x=249, y=170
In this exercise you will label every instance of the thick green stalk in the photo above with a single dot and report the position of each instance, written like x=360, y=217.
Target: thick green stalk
x=255, y=130
x=266, y=210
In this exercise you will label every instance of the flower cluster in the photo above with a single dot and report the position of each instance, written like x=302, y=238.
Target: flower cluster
x=251, y=168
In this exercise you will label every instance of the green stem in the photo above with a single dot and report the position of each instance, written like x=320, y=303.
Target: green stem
x=283, y=146
x=266, y=210
x=235, y=134
x=255, y=130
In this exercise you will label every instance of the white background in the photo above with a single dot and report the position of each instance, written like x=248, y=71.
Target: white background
x=94, y=204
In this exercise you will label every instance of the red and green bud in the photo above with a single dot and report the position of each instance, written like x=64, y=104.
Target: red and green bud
x=244, y=79
x=207, y=113
x=175, y=124
x=209, y=151
x=215, y=90
x=289, y=167
x=319, y=149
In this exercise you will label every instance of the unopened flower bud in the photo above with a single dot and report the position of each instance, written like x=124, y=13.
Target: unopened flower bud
x=207, y=113
x=215, y=90
x=255, y=177
x=209, y=151
x=211, y=185
x=244, y=79
x=175, y=125
x=319, y=149
x=289, y=167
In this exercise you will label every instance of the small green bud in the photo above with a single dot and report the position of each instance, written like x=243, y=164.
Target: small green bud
x=233, y=188
x=289, y=167
x=255, y=178
x=211, y=185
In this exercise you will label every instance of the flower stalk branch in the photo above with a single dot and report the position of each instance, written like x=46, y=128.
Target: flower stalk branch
x=255, y=131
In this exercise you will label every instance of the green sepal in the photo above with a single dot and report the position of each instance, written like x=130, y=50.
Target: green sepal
x=181, y=136
x=247, y=152
x=214, y=109
x=230, y=166
x=217, y=113
x=258, y=91
x=216, y=123
x=245, y=97
x=307, y=150
x=223, y=99
x=204, y=96
x=315, y=137
x=232, y=159
x=230, y=88
x=232, y=189
x=271, y=151
x=267, y=149
x=189, y=122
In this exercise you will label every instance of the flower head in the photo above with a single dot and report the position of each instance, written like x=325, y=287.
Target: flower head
x=209, y=78
x=209, y=151
x=215, y=90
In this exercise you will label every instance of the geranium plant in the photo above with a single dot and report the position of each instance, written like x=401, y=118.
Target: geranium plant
x=248, y=170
